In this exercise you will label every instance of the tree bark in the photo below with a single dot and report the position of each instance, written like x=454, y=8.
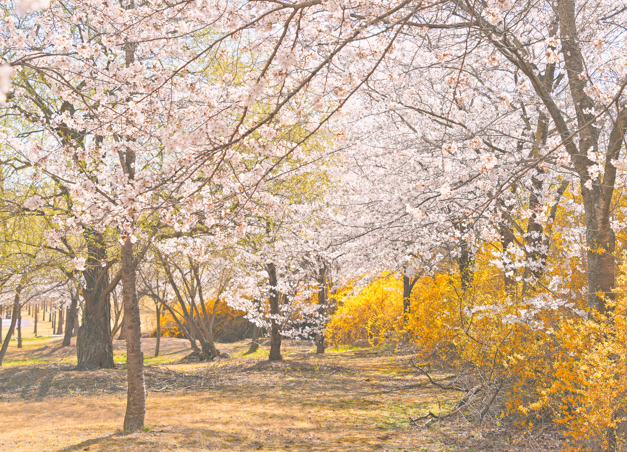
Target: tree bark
x=19, y=326
x=60, y=321
x=158, y=335
x=254, y=345
x=408, y=286
x=122, y=335
x=597, y=199
x=36, y=308
x=136, y=395
x=70, y=322
x=322, y=309
x=275, y=331
x=507, y=237
x=14, y=320
x=94, y=347
x=464, y=263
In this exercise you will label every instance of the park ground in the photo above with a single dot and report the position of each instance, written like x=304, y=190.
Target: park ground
x=346, y=400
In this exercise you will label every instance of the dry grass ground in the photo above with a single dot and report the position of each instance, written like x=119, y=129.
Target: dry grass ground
x=346, y=400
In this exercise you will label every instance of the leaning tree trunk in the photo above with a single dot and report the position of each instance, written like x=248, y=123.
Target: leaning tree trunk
x=94, y=347
x=136, y=395
x=14, y=320
x=122, y=335
x=275, y=332
x=70, y=322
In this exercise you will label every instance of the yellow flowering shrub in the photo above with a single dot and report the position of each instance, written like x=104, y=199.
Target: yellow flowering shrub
x=554, y=363
x=369, y=313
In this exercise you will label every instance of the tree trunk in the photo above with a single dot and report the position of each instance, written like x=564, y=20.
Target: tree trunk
x=158, y=335
x=70, y=322
x=507, y=237
x=36, y=308
x=94, y=348
x=193, y=332
x=60, y=321
x=19, y=326
x=54, y=322
x=14, y=320
x=207, y=325
x=596, y=199
x=136, y=396
x=254, y=345
x=406, y=295
x=465, y=262
x=122, y=335
x=275, y=332
x=322, y=309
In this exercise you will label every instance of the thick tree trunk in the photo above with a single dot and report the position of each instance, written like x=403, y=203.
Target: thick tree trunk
x=597, y=196
x=94, y=347
x=54, y=322
x=14, y=319
x=70, y=322
x=275, y=328
x=136, y=396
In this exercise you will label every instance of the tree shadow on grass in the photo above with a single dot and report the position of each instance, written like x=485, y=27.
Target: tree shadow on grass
x=202, y=439
x=90, y=442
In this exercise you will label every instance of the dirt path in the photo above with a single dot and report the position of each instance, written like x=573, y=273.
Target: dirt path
x=344, y=401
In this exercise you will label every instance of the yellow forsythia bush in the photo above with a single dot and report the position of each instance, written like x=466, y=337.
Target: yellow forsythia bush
x=555, y=364
x=369, y=313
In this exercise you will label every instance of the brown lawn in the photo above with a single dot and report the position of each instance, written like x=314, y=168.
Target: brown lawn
x=353, y=400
